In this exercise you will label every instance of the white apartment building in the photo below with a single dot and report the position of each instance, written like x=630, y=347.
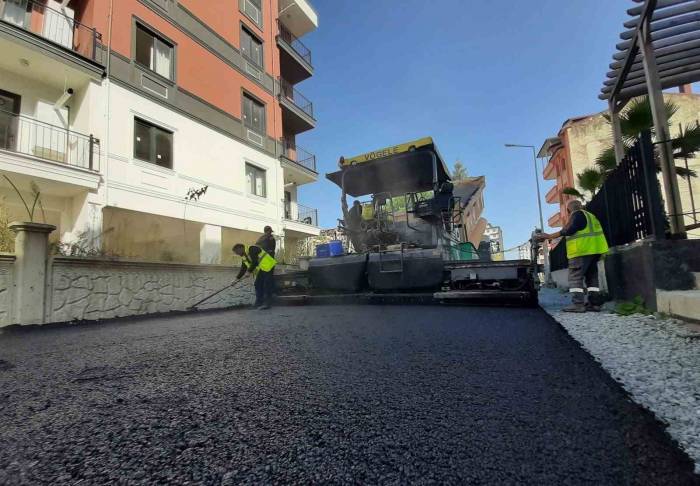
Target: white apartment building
x=116, y=111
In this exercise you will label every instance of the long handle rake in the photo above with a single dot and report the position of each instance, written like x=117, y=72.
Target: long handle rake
x=231, y=286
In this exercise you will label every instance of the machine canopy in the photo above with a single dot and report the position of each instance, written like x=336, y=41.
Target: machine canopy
x=414, y=171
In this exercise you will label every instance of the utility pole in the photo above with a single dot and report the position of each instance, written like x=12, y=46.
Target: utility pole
x=545, y=248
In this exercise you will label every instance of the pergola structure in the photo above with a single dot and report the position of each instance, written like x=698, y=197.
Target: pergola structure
x=660, y=49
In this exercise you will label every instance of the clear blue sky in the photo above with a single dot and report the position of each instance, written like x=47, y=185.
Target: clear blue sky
x=472, y=74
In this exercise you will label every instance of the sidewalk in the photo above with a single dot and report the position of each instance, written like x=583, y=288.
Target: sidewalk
x=656, y=360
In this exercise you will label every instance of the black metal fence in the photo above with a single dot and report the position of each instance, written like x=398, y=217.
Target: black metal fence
x=289, y=92
x=298, y=46
x=628, y=204
x=291, y=151
x=25, y=135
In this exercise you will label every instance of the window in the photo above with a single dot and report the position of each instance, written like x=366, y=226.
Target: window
x=255, y=178
x=153, y=52
x=153, y=144
x=253, y=114
x=251, y=47
x=253, y=9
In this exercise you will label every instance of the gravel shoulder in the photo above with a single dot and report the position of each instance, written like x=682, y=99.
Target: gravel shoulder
x=656, y=360
x=319, y=395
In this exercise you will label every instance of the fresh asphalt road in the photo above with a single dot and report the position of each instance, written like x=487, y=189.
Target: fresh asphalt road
x=332, y=394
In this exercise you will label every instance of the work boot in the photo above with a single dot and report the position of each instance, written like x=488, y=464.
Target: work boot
x=592, y=307
x=576, y=308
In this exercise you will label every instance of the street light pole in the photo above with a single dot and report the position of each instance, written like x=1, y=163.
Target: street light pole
x=539, y=205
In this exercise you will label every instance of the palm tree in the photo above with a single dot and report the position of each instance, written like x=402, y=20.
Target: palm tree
x=459, y=172
x=589, y=180
x=636, y=119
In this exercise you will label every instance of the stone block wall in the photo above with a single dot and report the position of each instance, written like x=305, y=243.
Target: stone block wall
x=6, y=288
x=90, y=289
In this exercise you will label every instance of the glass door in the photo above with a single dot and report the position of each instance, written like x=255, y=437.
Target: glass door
x=9, y=111
x=15, y=12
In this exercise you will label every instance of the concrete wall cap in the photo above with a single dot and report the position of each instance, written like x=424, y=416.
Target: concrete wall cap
x=18, y=226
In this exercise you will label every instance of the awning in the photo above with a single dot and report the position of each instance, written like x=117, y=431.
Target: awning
x=397, y=175
x=674, y=37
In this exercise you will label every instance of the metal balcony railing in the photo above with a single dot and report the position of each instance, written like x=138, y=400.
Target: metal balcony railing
x=298, y=155
x=290, y=93
x=303, y=214
x=294, y=43
x=25, y=135
x=52, y=25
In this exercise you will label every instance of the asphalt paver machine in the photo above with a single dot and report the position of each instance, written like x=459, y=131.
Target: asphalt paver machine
x=405, y=230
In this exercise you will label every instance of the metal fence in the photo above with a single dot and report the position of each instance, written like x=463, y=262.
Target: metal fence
x=628, y=204
x=25, y=135
x=53, y=25
x=291, y=151
x=287, y=91
x=303, y=214
x=298, y=46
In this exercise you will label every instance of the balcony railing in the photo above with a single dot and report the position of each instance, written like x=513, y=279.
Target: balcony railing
x=52, y=25
x=24, y=135
x=298, y=155
x=294, y=43
x=302, y=214
x=290, y=93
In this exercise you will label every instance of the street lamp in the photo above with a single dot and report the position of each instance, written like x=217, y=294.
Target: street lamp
x=539, y=203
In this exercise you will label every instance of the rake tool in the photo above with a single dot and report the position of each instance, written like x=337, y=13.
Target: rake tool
x=232, y=285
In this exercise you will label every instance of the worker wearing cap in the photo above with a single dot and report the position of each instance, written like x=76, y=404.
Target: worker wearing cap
x=261, y=264
x=267, y=241
x=585, y=243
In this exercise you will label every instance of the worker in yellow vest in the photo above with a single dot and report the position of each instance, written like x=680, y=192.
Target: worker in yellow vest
x=585, y=243
x=261, y=264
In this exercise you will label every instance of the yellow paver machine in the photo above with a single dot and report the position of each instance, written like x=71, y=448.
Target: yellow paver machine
x=405, y=239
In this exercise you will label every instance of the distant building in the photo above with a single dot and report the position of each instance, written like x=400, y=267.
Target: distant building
x=494, y=235
x=470, y=192
x=582, y=139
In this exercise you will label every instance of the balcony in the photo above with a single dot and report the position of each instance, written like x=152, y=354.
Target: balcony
x=31, y=32
x=300, y=221
x=33, y=148
x=552, y=196
x=298, y=16
x=299, y=165
x=554, y=220
x=297, y=110
x=295, y=57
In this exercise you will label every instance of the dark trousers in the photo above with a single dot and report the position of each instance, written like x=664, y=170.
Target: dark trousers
x=264, y=287
x=582, y=269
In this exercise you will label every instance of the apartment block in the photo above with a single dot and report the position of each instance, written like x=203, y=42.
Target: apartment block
x=582, y=139
x=158, y=129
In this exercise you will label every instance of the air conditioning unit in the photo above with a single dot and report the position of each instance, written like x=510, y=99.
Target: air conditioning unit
x=256, y=138
x=253, y=71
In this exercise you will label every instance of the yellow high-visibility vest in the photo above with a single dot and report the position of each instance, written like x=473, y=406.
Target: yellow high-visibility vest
x=265, y=261
x=589, y=241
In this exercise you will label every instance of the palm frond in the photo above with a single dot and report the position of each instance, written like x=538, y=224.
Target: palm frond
x=570, y=191
x=606, y=160
x=590, y=180
x=638, y=118
x=685, y=173
x=688, y=143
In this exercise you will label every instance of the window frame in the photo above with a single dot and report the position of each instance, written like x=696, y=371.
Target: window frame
x=159, y=37
x=257, y=169
x=256, y=38
x=154, y=129
x=263, y=106
x=242, y=9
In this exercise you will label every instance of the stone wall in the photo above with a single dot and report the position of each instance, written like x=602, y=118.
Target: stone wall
x=6, y=288
x=90, y=289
